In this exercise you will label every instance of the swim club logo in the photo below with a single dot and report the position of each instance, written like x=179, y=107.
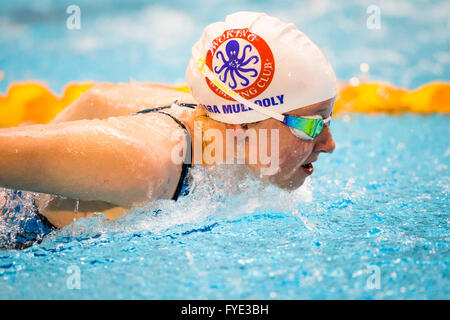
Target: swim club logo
x=243, y=61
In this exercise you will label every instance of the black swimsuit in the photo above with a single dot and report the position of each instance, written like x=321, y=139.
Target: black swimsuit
x=23, y=226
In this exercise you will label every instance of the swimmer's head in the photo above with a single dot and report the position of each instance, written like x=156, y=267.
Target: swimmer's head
x=262, y=59
x=251, y=72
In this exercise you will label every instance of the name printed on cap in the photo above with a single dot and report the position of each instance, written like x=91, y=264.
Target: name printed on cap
x=239, y=107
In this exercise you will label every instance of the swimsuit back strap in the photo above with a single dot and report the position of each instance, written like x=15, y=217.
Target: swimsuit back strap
x=154, y=109
x=187, y=163
x=183, y=185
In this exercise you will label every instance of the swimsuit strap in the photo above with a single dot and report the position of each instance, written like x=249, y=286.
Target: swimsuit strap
x=183, y=184
x=188, y=105
x=186, y=164
x=154, y=109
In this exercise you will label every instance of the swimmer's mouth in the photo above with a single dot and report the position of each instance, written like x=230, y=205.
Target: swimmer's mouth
x=308, y=168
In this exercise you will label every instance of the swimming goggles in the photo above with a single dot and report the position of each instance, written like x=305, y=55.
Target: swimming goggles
x=305, y=128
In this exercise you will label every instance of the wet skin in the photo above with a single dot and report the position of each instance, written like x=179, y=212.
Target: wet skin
x=95, y=144
x=295, y=152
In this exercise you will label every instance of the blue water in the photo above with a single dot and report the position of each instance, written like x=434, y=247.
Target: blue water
x=380, y=201
x=371, y=223
x=151, y=40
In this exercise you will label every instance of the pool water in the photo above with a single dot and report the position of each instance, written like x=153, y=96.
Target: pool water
x=152, y=40
x=371, y=223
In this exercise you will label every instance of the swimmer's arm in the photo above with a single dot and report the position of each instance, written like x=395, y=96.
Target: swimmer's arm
x=109, y=160
x=105, y=100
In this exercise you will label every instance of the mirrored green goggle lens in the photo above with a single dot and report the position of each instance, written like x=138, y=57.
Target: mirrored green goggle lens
x=312, y=127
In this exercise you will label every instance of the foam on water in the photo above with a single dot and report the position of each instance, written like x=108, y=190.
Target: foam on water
x=216, y=192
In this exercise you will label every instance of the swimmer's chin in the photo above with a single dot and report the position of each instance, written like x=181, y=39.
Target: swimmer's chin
x=290, y=184
x=287, y=182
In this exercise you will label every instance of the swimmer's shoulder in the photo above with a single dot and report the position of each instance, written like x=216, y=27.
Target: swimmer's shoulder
x=106, y=99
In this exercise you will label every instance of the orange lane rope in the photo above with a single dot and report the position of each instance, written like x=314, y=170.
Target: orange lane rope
x=33, y=102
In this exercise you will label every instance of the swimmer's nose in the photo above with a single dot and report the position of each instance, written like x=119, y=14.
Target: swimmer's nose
x=324, y=141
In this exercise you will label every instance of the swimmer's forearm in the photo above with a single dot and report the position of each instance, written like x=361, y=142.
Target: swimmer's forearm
x=86, y=160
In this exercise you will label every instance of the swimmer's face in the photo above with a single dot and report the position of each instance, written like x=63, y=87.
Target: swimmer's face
x=295, y=156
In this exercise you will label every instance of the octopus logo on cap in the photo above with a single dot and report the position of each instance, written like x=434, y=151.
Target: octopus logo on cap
x=243, y=61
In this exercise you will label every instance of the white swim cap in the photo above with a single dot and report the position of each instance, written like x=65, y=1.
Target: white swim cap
x=264, y=60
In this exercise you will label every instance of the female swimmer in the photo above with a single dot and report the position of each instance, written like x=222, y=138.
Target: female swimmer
x=114, y=148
